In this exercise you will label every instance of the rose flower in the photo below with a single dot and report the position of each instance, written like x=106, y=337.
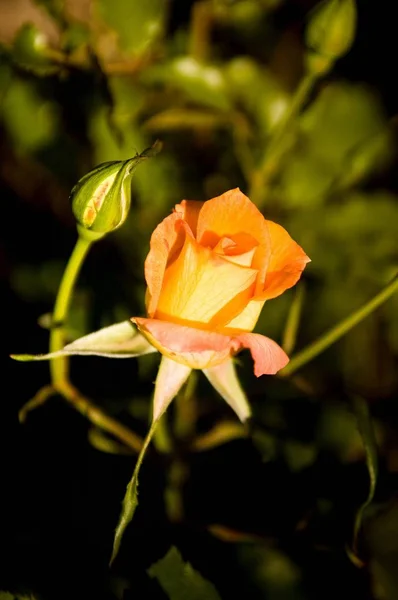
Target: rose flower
x=210, y=269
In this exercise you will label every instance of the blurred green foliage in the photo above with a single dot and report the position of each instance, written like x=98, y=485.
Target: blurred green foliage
x=119, y=74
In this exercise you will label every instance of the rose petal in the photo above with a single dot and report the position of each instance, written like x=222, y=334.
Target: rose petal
x=268, y=357
x=286, y=264
x=189, y=210
x=195, y=348
x=167, y=238
x=170, y=379
x=201, y=349
x=247, y=319
x=232, y=214
x=199, y=284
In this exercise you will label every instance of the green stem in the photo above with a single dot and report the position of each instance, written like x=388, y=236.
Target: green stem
x=59, y=366
x=334, y=334
x=276, y=147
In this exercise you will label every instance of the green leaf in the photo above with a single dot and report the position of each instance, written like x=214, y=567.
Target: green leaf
x=179, y=580
x=121, y=340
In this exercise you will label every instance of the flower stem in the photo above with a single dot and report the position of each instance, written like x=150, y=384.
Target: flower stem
x=334, y=334
x=59, y=366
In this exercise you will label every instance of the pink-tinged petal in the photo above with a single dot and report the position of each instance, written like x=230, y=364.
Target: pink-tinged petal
x=189, y=210
x=167, y=239
x=225, y=381
x=286, y=264
x=196, y=348
x=170, y=379
x=199, y=349
x=199, y=284
x=269, y=358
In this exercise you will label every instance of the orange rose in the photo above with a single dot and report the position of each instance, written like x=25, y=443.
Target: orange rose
x=210, y=269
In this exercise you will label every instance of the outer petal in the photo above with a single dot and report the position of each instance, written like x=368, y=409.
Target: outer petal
x=189, y=210
x=201, y=349
x=199, y=283
x=170, y=379
x=231, y=214
x=224, y=379
x=268, y=357
x=248, y=318
x=195, y=348
x=286, y=264
x=167, y=238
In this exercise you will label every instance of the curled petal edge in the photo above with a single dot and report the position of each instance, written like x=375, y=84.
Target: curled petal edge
x=202, y=349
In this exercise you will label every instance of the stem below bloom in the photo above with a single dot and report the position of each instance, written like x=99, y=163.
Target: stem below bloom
x=59, y=366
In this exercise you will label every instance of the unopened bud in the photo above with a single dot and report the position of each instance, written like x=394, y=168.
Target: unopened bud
x=330, y=32
x=101, y=199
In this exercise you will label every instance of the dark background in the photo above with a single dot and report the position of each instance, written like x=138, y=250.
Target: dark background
x=61, y=497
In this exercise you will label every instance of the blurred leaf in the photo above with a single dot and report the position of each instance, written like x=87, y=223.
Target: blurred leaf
x=366, y=430
x=121, y=340
x=202, y=83
x=368, y=158
x=272, y=571
x=226, y=534
x=31, y=51
x=222, y=433
x=342, y=116
x=338, y=125
x=137, y=24
x=256, y=89
x=30, y=121
x=183, y=118
x=299, y=455
x=359, y=234
x=338, y=433
x=179, y=580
